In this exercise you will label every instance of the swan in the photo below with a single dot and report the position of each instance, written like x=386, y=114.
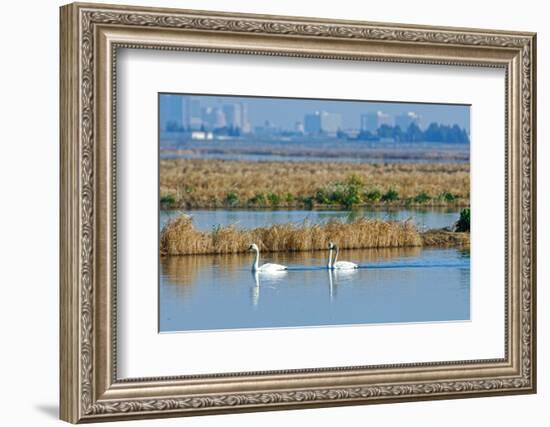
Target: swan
x=339, y=265
x=266, y=268
x=330, y=248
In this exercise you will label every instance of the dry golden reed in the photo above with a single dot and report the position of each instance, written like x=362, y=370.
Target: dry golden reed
x=180, y=237
x=194, y=183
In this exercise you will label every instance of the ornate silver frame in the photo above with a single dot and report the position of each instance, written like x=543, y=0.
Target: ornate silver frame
x=90, y=36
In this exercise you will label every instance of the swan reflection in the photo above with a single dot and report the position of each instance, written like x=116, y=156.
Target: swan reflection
x=273, y=279
x=263, y=280
x=330, y=286
x=338, y=278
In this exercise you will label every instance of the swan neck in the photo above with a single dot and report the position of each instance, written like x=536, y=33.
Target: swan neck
x=336, y=256
x=329, y=258
x=256, y=260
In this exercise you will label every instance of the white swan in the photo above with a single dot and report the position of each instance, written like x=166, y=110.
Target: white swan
x=339, y=265
x=330, y=248
x=266, y=268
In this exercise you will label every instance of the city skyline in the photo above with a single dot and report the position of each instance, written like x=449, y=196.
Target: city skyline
x=297, y=114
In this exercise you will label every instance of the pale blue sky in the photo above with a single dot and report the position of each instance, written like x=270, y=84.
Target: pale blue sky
x=285, y=112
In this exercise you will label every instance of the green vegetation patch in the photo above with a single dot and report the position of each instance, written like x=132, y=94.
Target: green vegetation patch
x=463, y=223
x=167, y=199
x=390, y=196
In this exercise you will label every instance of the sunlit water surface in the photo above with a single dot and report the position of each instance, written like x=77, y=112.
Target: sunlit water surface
x=204, y=219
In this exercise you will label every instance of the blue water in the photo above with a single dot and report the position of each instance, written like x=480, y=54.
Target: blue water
x=311, y=149
x=206, y=219
x=212, y=292
x=308, y=158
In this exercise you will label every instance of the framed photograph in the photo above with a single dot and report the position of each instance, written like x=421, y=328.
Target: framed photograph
x=266, y=212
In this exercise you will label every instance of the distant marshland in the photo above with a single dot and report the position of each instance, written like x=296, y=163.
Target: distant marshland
x=198, y=183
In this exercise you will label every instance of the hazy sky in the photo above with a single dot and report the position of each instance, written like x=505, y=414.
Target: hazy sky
x=285, y=112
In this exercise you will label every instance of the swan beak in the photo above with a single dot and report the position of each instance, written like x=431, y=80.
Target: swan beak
x=250, y=248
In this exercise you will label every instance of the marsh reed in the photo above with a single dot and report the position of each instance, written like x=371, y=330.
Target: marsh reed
x=200, y=183
x=180, y=237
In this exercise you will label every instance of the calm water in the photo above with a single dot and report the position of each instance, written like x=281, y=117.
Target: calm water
x=393, y=285
x=309, y=158
x=206, y=219
x=308, y=150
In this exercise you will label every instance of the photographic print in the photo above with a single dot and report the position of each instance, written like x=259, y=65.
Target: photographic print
x=296, y=192
x=288, y=212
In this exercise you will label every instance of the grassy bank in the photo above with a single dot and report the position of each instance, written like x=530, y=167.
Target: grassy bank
x=180, y=237
x=192, y=183
x=444, y=238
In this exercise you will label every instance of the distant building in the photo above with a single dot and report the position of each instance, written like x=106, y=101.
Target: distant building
x=299, y=127
x=268, y=129
x=322, y=122
x=312, y=123
x=171, y=112
x=233, y=115
x=268, y=124
x=406, y=119
x=194, y=114
x=246, y=128
x=201, y=135
x=370, y=122
x=330, y=122
x=213, y=118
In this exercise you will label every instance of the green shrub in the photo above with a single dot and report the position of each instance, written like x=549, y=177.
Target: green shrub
x=258, y=199
x=231, y=198
x=463, y=223
x=352, y=196
x=274, y=199
x=344, y=194
x=332, y=193
x=167, y=199
x=307, y=201
x=322, y=196
x=447, y=196
x=373, y=195
x=421, y=197
x=355, y=180
x=390, y=196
